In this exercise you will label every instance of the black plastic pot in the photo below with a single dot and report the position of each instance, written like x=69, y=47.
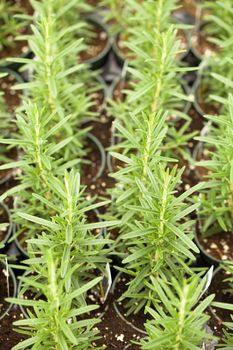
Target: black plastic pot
x=98, y=61
x=12, y=276
x=9, y=228
x=102, y=152
x=124, y=319
x=209, y=259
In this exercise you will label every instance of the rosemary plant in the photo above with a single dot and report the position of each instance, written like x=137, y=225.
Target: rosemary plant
x=219, y=19
x=57, y=82
x=217, y=203
x=10, y=25
x=70, y=236
x=178, y=316
x=160, y=238
x=37, y=162
x=54, y=322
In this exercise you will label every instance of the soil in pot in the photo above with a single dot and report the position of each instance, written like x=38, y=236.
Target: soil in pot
x=96, y=43
x=7, y=288
x=8, y=337
x=121, y=48
x=201, y=45
x=118, y=93
x=18, y=48
x=10, y=155
x=116, y=334
x=219, y=246
x=11, y=97
x=222, y=294
x=184, y=43
x=4, y=219
x=203, y=105
x=101, y=129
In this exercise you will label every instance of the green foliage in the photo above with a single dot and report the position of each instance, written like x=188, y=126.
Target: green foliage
x=219, y=32
x=68, y=233
x=10, y=24
x=160, y=239
x=217, y=202
x=58, y=319
x=178, y=318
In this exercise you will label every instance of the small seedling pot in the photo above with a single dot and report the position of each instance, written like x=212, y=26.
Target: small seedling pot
x=102, y=153
x=118, y=311
x=219, y=319
x=118, y=54
x=198, y=34
x=13, y=285
x=99, y=60
x=199, y=90
x=4, y=210
x=208, y=258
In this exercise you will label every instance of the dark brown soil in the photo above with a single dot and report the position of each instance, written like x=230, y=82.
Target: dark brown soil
x=118, y=93
x=124, y=51
x=220, y=288
x=11, y=155
x=201, y=154
x=9, y=338
x=201, y=96
x=19, y=48
x=183, y=43
x=12, y=97
x=96, y=44
x=138, y=319
x=94, y=2
x=102, y=131
x=97, y=98
x=4, y=219
x=201, y=44
x=5, y=290
x=115, y=332
x=220, y=245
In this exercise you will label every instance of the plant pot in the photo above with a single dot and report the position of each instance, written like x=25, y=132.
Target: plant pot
x=92, y=55
x=101, y=155
x=118, y=310
x=215, y=249
x=200, y=91
x=200, y=45
x=200, y=153
x=10, y=291
x=121, y=52
x=219, y=316
x=5, y=217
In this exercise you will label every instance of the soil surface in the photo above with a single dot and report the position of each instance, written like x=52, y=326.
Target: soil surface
x=18, y=48
x=9, y=338
x=123, y=50
x=220, y=288
x=7, y=174
x=12, y=97
x=116, y=333
x=201, y=45
x=4, y=219
x=219, y=246
x=6, y=290
x=96, y=43
x=201, y=96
